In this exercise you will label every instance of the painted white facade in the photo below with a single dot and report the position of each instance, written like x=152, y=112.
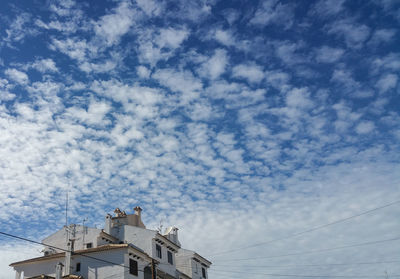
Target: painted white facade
x=147, y=240
x=192, y=264
x=113, y=252
x=84, y=237
x=93, y=264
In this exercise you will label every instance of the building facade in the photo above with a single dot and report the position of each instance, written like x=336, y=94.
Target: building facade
x=124, y=249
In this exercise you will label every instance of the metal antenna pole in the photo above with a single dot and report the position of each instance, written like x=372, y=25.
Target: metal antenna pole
x=66, y=209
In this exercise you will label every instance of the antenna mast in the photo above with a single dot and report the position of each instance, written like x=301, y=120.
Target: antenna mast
x=66, y=209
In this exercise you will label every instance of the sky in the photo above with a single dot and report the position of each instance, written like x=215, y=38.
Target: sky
x=239, y=122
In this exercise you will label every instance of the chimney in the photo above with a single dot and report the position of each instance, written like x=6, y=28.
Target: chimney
x=138, y=212
x=59, y=268
x=108, y=224
x=68, y=254
x=172, y=234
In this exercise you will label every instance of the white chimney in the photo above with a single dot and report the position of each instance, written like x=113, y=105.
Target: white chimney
x=108, y=224
x=138, y=212
x=172, y=234
x=59, y=268
x=68, y=254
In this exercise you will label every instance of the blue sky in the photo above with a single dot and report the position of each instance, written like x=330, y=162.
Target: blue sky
x=237, y=121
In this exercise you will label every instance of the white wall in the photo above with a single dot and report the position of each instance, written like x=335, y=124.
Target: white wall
x=44, y=267
x=91, y=268
x=186, y=264
x=144, y=239
x=83, y=235
x=164, y=265
x=95, y=269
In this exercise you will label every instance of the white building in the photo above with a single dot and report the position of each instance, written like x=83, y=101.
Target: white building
x=191, y=264
x=124, y=249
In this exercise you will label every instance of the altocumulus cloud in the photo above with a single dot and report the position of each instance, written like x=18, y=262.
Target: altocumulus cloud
x=239, y=122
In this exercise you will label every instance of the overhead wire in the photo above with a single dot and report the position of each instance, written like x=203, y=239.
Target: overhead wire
x=62, y=249
x=294, y=265
x=316, y=251
x=305, y=231
x=311, y=265
x=310, y=276
x=216, y=270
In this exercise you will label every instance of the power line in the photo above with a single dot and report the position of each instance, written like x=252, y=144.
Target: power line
x=317, y=251
x=310, y=265
x=269, y=274
x=64, y=250
x=297, y=265
x=302, y=276
x=305, y=231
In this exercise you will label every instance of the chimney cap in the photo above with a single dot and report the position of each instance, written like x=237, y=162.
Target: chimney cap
x=138, y=208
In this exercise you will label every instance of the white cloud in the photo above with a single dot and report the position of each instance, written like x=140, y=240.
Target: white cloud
x=328, y=54
x=279, y=80
x=150, y=7
x=171, y=38
x=143, y=71
x=299, y=97
x=216, y=65
x=17, y=76
x=129, y=96
x=45, y=65
x=390, y=61
x=328, y=7
x=286, y=51
x=381, y=36
x=225, y=37
x=231, y=15
x=195, y=11
x=5, y=94
x=386, y=83
x=63, y=8
x=183, y=82
x=102, y=67
x=354, y=34
x=156, y=45
x=73, y=47
x=345, y=79
x=113, y=26
x=94, y=115
x=273, y=12
x=346, y=118
x=252, y=72
x=365, y=127
x=19, y=29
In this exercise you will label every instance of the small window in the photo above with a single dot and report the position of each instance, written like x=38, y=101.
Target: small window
x=89, y=245
x=203, y=272
x=170, y=258
x=158, y=251
x=78, y=267
x=133, y=267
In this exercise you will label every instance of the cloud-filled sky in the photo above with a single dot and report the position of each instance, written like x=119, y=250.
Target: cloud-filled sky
x=239, y=122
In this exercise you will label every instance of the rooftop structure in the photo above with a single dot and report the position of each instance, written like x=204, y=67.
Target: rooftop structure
x=124, y=249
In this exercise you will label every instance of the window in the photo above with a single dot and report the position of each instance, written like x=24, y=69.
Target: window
x=89, y=245
x=78, y=267
x=158, y=251
x=203, y=271
x=170, y=259
x=133, y=267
